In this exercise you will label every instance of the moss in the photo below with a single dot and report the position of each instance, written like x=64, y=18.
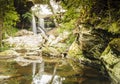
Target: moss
x=111, y=59
x=9, y=52
x=115, y=46
x=75, y=51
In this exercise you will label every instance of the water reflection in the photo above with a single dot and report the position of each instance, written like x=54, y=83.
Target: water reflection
x=45, y=78
x=48, y=72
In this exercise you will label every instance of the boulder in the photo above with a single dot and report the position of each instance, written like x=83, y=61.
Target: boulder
x=61, y=38
x=89, y=46
x=23, y=32
x=8, y=54
x=93, y=42
x=29, y=41
x=111, y=60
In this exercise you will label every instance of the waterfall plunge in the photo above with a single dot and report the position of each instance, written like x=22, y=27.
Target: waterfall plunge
x=34, y=24
x=41, y=22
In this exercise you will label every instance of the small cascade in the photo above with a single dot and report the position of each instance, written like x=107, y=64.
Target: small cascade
x=34, y=24
x=41, y=22
x=41, y=27
x=41, y=11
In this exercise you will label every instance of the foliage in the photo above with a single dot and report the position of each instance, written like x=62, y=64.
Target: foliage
x=71, y=39
x=69, y=26
x=27, y=16
x=96, y=13
x=70, y=15
x=4, y=47
x=8, y=14
x=8, y=18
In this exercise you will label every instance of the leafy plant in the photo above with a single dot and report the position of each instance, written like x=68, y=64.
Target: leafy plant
x=10, y=19
x=69, y=26
x=27, y=16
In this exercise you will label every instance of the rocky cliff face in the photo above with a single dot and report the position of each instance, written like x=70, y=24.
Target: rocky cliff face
x=99, y=49
x=111, y=59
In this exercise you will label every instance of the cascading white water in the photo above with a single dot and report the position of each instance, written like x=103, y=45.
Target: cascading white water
x=34, y=24
x=41, y=22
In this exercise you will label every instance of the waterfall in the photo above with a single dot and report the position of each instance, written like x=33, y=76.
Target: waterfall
x=42, y=28
x=41, y=22
x=34, y=24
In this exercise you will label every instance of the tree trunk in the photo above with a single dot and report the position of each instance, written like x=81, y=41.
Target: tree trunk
x=1, y=26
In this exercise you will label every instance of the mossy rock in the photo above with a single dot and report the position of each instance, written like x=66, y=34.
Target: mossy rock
x=50, y=51
x=75, y=51
x=111, y=59
x=93, y=42
x=9, y=53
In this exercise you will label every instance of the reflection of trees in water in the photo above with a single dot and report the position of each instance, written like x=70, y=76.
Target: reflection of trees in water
x=49, y=72
x=7, y=68
x=17, y=73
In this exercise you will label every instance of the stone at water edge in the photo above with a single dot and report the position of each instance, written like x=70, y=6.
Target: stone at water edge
x=74, y=50
x=23, y=32
x=4, y=77
x=30, y=41
x=9, y=53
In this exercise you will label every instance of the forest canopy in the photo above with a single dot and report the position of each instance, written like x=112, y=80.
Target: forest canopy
x=96, y=13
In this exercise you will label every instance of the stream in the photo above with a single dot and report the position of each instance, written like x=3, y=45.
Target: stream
x=49, y=71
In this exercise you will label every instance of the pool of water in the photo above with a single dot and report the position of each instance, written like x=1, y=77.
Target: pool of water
x=50, y=71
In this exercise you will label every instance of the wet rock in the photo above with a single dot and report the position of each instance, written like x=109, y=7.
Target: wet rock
x=9, y=53
x=55, y=46
x=34, y=53
x=93, y=42
x=76, y=53
x=111, y=60
x=61, y=38
x=89, y=46
x=26, y=60
x=4, y=77
x=23, y=32
x=50, y=51
x=51, y=38
x=74, y=50
x=31, y=41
